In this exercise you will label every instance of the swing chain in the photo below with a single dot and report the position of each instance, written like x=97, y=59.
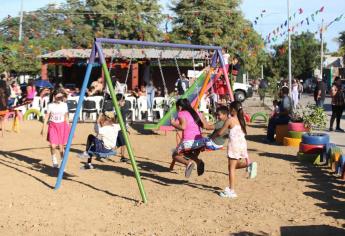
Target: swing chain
x=178, y=69
x=163, y=79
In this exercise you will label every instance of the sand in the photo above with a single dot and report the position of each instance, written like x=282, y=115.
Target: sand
x=286, y=198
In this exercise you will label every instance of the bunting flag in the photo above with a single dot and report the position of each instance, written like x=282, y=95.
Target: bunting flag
x=294, y=28
x=259, y=17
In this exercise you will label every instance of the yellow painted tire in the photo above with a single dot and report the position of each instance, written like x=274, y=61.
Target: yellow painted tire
x=291, y=142
x=32, y=111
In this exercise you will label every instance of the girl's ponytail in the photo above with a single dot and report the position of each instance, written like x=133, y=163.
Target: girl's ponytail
x=237, y=106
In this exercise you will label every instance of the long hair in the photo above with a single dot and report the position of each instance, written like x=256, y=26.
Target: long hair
x=237, y=106
x=185, y=105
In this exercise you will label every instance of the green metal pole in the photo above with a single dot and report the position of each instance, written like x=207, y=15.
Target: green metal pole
x=124, y=131
x=167, y=116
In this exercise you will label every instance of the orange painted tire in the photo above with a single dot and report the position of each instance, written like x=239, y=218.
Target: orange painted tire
x=311, y=148
x=281, y=133
x=291, y=142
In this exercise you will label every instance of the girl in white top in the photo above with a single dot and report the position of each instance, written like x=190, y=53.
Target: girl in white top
x=237, y=147
x=107, y=131
x=58, y=127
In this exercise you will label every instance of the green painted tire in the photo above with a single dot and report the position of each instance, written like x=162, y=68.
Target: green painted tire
x=32, y=111
x=259, y=114
x=296, y=134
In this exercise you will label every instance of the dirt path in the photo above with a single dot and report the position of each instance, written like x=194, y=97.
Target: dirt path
x=286, y=198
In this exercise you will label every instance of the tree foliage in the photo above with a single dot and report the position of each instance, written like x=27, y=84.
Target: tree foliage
x=305, y=50
x=76, y=23
x=341, y=41
x=219, y=23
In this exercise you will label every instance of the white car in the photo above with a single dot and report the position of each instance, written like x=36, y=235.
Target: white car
x=242, y=91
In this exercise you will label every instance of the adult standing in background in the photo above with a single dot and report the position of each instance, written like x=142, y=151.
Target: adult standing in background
x=294, y=93
x=320, y=92
x=300, y=89
x=338, y=103
x=150, y=94
x=181, y=85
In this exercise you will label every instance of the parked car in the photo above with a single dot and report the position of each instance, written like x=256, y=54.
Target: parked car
x=242, y=91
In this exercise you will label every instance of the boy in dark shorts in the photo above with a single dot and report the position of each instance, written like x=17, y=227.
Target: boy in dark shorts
x=120, y=142
x=218, y=142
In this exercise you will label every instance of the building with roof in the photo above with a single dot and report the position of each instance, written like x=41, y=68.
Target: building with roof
x=69, y=65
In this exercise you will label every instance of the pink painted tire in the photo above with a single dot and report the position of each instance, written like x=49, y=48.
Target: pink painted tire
x=297, y=127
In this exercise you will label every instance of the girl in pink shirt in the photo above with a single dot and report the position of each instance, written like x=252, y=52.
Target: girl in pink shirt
x=192, y=143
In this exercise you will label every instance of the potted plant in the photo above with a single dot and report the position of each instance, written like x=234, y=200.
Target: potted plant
x=314, y=118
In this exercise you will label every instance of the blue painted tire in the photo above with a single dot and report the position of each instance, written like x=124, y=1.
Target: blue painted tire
x=341, y=165
x=328, y=150
x=315, y=139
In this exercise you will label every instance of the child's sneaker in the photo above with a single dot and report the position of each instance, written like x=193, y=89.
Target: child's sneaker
x=83, y=155
x=124, y=159
x=253, y=170
x=55, y=162
x=228, y=193
x=189, y=169
x=88, y=166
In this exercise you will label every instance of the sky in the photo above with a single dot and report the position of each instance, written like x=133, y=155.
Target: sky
x=275, y=14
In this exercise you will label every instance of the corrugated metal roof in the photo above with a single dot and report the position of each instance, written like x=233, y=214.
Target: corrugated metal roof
x=128, y=53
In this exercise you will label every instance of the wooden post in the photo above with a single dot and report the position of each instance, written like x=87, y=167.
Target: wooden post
x=44, y=71
x=135, y=76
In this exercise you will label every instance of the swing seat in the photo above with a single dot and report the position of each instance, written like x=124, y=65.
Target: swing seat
x=104, y=155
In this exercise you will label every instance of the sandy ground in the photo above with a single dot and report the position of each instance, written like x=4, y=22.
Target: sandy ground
x=287, y=197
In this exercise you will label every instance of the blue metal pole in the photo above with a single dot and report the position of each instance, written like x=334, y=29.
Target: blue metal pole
x=155, y=44
x=76, y=117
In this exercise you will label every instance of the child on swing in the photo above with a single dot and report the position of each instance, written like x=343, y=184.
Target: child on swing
x=217, y=142
x=107, y=131
x=58, y=128
x=188, y=150
x=237, y=147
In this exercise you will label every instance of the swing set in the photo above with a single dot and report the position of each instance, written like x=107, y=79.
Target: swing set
x=97, y=56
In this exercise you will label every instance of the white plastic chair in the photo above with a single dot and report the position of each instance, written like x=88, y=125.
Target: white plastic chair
x=89, y=108
x=75, y=98
x=158, y=105
x=132, y=108
x=97, y=100
x=142, y=106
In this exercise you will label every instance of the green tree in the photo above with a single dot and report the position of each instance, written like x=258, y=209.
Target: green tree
x=305, y=54
x=218, y=23
x=341, y=41
x=125, y=19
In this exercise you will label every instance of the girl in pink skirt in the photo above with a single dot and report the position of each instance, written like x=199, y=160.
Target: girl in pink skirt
x=58, y=128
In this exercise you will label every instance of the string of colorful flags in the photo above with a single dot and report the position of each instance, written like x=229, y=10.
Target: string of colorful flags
x=263, y=12
x=278, y=32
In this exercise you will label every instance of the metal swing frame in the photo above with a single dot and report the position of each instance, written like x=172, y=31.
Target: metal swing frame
x=97, y=50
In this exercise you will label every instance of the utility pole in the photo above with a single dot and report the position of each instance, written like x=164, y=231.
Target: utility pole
x=262, y=71
x=289, y=42
x=321, y=36
x=21, y=21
